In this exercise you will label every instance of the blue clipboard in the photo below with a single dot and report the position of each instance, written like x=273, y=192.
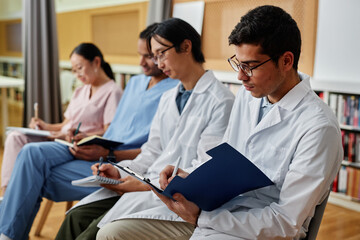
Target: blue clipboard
x=220, y=179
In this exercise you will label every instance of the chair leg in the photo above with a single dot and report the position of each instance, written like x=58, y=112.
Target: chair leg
x=69, y=204
x=44, y=215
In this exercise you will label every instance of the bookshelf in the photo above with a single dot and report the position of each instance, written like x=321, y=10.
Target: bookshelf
x=344, y=99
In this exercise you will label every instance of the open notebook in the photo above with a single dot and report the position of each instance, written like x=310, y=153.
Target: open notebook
x=106, y=143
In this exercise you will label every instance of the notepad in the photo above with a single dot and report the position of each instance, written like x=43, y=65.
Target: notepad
x=29, y=131
x=94, y=181
x=106, y=143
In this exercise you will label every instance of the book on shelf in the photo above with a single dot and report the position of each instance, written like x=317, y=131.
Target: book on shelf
x=94, y=139
x=346, y=108
x=342, y=180
x=351, y=145
x=29, y=131
x=94, y=181
x=353, y=187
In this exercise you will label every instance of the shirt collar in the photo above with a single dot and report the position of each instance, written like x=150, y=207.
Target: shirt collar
x=183, y=90
x=265, y=102
x=296, y=94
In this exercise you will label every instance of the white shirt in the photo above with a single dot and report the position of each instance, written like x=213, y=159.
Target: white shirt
x=298, y=146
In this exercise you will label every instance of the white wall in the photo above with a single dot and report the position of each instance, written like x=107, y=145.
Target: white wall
x=11, y=9
x=73, y=5
x=337, y=56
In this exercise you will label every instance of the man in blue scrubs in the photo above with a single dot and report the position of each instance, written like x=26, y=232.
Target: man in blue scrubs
x=47, y=169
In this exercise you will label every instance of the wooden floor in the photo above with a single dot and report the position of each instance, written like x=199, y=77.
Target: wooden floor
x=338, y=223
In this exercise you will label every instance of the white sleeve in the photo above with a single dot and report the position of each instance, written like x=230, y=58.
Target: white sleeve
x=314, y=165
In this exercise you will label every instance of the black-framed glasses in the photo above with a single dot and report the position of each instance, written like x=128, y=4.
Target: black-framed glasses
x=161, y=56
x=244, y=67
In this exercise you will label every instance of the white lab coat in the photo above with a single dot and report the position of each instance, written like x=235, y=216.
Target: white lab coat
x=200, y=127
x=298, y=146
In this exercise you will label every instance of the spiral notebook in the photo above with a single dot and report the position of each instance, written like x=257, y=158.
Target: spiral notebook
x=94, y=181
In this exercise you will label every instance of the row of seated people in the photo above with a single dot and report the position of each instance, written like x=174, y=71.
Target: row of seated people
x=276, y=121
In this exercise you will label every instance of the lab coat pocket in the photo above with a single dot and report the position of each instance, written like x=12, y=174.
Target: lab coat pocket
x=274, y=163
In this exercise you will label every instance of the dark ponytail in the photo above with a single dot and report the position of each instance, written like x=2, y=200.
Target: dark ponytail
x=107, y=69
x=89, y=51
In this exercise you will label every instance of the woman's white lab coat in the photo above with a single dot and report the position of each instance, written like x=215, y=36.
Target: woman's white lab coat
x=298, y=146
x=200, y=127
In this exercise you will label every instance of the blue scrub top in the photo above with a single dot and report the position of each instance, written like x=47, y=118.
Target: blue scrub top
x=134, y=114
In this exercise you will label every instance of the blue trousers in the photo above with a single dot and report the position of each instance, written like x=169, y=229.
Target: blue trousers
x=43, y=169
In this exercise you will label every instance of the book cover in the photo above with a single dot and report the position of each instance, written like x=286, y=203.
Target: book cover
x=106, y=143
x=220, y=179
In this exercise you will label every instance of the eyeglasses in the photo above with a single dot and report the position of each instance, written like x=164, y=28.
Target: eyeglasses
x=161, y=56
x=244, y=67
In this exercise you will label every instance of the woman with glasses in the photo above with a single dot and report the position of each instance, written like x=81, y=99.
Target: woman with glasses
x=93, y=105
x=190, y=120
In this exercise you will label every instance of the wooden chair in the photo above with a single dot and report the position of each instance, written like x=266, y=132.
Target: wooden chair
x=48, y=204
x=316, y=220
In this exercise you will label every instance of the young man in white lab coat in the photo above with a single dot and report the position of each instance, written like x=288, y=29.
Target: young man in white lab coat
x=280, y=125
x=191, y=119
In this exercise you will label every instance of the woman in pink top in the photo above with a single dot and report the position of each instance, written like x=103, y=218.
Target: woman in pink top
x=93, y=104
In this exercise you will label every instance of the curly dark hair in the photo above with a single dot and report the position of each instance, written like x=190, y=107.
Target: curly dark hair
x=272, y=28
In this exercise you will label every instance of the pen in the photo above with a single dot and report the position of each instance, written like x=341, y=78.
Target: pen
x=76, y=131
x=36, y=110
x=36, y=113
x=101, y=162
x=176, y=166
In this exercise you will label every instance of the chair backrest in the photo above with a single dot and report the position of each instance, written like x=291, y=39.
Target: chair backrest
x=316, y=220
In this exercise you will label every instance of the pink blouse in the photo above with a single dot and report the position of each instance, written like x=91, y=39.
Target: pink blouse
x=94, y=112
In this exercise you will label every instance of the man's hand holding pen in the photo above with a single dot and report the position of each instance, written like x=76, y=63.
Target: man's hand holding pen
x=187, y=210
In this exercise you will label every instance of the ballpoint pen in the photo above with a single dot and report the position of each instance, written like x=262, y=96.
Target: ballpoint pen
x=36, y=113
x=76, y=131
x=101, y=159
x=176, y=166
x=36, y=110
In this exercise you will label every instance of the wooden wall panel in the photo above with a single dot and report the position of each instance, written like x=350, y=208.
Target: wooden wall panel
x=10, y=38
x=73, y=28
x=111, y=29
x=114, y=30
x=13, y=37
x=221, y=16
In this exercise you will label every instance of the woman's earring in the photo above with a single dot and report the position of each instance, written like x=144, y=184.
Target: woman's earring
x=95, y=70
